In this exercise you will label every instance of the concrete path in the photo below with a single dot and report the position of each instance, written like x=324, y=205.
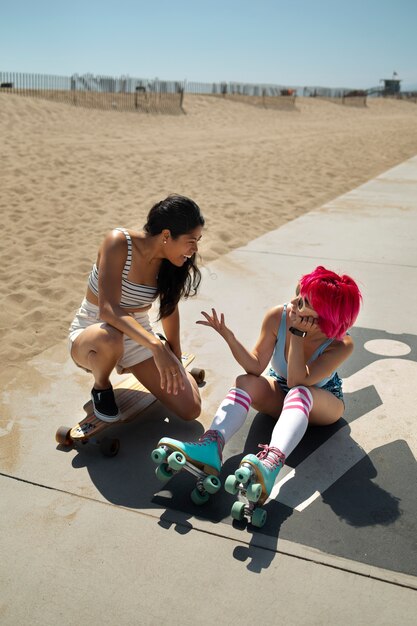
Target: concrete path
x=90, y=538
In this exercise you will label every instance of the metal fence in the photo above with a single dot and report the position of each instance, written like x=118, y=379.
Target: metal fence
x=98, y=92
x=352, y=97
x=157, y=96
x=139, y=94
x=267, y=96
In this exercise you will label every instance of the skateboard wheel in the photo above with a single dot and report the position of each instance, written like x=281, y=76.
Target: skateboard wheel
x=259, y=518
x=211, y=484
x=198, y=375
x=176, y=460
x=231, y=485
x=243, y=474
x=109, y=447
x=62, y=436
x=238, y=511
x=199, y=498
x=159, y=455
x=254, y=492
x=163, y=472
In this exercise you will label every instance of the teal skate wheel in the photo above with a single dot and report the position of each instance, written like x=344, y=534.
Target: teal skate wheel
x=259, y=517
x=231, y=485
x=254, y=492
x=176, y=460
x=238, y=511
x=243, y=474
x=211, y=484
x=199, y=498
x=163, y=472
x=159, y=455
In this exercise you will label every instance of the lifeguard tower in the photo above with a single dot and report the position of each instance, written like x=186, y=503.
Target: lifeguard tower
x=391, y=85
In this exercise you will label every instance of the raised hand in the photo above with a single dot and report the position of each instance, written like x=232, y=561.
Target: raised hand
x=213, y=321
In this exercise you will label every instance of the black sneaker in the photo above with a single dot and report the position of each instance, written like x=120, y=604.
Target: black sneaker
x=104, y=404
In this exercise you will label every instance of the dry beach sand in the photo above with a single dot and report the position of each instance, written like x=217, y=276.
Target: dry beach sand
x=68, y=175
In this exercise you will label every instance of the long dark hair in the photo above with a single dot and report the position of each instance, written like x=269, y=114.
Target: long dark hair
x=179, y=215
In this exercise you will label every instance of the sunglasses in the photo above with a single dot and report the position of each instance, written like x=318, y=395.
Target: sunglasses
x=302, y=301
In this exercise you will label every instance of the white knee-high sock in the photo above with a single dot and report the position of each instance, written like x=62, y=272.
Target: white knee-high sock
x=293, y=421
x=232, y=413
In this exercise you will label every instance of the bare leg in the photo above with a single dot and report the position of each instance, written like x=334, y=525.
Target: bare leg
x=327, y=409
x=186, y=404
x=98, y=348
x=267, y=396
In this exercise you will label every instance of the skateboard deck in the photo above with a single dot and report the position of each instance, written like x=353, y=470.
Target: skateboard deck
x=132, y=398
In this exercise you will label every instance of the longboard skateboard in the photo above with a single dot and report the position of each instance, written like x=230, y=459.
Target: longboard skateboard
x=132, y=398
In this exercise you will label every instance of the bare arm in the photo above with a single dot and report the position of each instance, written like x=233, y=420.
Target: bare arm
x=171, y=326
x=299, y=373
x=112, y=258
x=255, y=361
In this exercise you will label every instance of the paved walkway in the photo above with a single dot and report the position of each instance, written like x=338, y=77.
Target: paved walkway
x=85, y=537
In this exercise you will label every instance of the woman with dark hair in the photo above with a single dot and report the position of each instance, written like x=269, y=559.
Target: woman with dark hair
x=112, y=329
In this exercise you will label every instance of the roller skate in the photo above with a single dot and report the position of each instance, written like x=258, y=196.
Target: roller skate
x=252, y=482
x=202, y=459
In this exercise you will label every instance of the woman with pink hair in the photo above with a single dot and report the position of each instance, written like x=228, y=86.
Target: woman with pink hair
x=304, y=342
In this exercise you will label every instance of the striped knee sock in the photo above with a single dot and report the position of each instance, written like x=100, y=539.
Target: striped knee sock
x=232, y=413
x=293, y=421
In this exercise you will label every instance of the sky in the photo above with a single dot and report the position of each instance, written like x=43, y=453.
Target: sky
x=327, y=43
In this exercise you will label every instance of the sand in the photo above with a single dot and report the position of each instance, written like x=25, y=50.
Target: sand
x=68, y=175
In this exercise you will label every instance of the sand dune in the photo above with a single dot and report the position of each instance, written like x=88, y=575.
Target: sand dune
x=68, y=175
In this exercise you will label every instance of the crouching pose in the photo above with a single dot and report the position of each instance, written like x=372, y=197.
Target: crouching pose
x=112, y=329
x=304, y=342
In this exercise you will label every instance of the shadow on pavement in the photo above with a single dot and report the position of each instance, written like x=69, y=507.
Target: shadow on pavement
x=369, y=514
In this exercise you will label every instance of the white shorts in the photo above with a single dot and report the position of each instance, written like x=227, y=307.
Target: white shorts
x=133, y=353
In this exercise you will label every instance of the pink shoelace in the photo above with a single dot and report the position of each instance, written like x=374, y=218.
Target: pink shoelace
x=212, y=435
x=271, y=457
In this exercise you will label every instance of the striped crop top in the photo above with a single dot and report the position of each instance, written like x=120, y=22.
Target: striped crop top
x=133, y=295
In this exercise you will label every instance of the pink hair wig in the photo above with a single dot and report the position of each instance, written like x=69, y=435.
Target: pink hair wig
x=336, y=299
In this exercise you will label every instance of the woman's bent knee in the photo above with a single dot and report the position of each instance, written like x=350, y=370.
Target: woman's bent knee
x=190, y=412
x=253, y=385
x=104, y=339
x=109, y=342
x=110, y=336
x=247, y=382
